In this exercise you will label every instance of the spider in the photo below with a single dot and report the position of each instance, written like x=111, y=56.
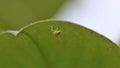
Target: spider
x=56, y=31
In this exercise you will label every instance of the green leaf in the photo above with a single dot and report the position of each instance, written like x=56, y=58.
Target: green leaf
x=15, y=14
x=36, y=46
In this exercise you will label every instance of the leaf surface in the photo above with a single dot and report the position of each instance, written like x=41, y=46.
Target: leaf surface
x=76, y=47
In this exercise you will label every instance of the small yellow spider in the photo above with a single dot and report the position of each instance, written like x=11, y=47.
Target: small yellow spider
x=55, y=31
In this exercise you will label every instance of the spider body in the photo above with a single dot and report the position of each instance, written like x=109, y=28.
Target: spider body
x=57, y=32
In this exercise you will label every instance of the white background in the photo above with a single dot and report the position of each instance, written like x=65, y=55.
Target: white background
x=102, y=16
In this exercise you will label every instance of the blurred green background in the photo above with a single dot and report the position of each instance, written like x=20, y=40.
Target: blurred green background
x=15, y=14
